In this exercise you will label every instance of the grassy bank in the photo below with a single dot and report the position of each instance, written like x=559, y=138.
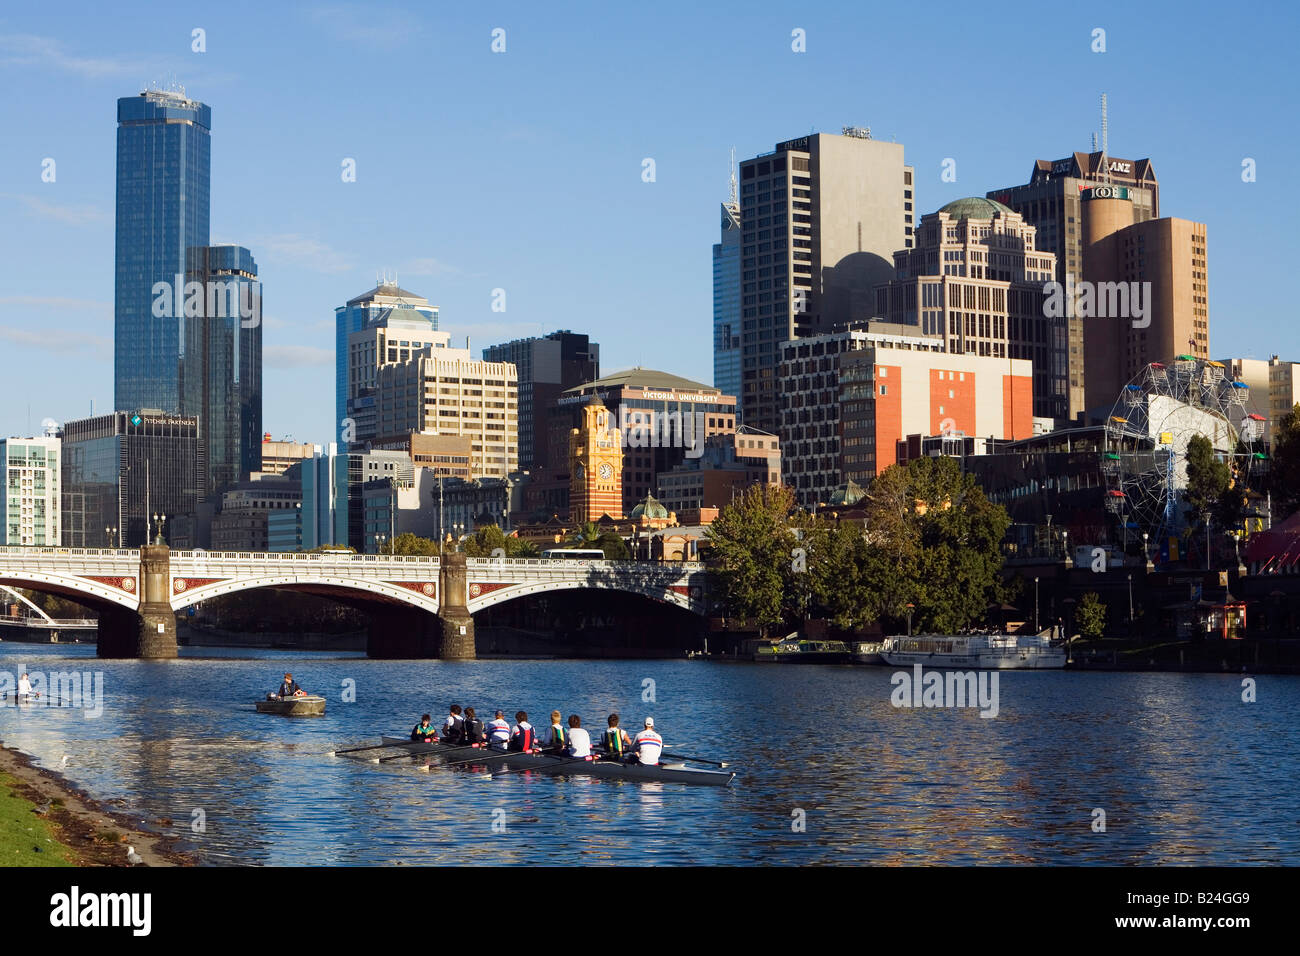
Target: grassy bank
x=26, y=838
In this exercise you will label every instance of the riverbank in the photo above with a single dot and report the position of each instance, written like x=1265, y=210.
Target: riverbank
x=74, y=830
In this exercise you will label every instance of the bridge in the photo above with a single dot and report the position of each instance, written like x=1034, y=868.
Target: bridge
x=419, y=606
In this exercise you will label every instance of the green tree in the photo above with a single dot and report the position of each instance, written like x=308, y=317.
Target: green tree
x=1284, y=469
x=411, y=544
x=937, y=543
x=754, y=555
x=1208, y=479
x=486, y=540
x=1090, y=617
x=615, y=548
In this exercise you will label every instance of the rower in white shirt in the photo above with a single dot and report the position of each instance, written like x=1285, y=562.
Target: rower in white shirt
x=579, y=739
x=648, y=745
x=24, y=688
x=498, y=732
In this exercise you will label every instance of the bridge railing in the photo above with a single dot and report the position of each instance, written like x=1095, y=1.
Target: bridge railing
x=29, y=550
x=54, y=625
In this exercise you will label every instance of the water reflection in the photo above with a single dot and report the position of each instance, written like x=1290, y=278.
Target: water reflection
x=1185, y=772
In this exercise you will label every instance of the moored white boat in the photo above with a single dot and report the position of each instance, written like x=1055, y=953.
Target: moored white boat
x=868, y=652
x=976, y=651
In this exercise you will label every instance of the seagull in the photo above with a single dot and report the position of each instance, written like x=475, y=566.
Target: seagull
x=43, y=809
x=132, y=857
x=65, y=760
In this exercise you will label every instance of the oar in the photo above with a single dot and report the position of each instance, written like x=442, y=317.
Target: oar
x=357, y=750
x=412, y=753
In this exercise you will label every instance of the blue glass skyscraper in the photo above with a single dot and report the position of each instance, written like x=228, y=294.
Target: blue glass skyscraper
x=726, y=304
x=163, y=171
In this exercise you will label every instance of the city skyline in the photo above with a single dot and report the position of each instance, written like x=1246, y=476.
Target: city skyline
x=624, y=254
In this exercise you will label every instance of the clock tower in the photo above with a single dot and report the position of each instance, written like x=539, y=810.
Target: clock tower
x=595, y=465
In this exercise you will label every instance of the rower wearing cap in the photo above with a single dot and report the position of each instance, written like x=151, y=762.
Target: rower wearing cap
x=498, y=732
x=579, y=740
x=424, y=731
x=523, y=737
x=556, y=737
x=615, y=740
x=648, y=745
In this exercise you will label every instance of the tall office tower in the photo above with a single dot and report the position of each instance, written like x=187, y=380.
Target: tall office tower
x=221, y=364
x=163, y=166
x=821, y=217
x=121, y=468
x=546, y=366
x=975, y=280
x=726, y=299
x=323, y=519
x=30, y=502
x=1051, y=202
x=393, y=339
x=446, y=391
x=1122, y=253
x=386, y=305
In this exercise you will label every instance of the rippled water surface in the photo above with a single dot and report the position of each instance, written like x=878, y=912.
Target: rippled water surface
x=1185, y=771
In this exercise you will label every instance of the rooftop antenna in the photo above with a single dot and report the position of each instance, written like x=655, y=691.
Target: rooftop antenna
x=1105, y=140
x=1094, y=142
x=731, y=171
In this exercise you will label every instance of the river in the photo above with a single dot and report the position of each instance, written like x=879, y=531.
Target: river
x=830, y=771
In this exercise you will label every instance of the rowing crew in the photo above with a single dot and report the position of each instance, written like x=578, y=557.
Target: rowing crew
x=466, y=729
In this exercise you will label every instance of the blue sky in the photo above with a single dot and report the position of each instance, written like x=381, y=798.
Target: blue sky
x=522, y=170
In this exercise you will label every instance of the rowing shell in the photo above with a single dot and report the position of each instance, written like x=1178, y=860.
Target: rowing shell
x=549, y=763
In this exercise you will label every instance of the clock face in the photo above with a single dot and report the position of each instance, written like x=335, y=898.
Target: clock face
x=606, y=472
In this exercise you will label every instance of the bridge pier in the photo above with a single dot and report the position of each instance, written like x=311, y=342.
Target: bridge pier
x=150, y=632
x=457, y=642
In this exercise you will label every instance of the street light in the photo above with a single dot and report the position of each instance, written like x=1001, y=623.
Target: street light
x=910, y=609
x=379, y=543
x=1130, y=599
x=160, y=520
x=114, y=537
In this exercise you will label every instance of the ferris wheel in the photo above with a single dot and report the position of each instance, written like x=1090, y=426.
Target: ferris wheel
x=1145, y=451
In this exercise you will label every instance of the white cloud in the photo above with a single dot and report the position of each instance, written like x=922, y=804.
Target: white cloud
x=75, y=215
x=28, y=50
x=299, y=250
x=296, y=356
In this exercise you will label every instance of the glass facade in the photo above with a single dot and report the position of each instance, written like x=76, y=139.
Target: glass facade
x=221, y=364
x=163, y=169
x=120, y=468
x=726, y=305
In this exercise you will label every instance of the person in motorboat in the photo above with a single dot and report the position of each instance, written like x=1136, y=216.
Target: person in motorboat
x=424, y=731
x=648, y=745
x=290, y=688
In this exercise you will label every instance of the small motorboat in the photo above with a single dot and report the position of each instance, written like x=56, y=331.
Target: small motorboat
x=308, y=706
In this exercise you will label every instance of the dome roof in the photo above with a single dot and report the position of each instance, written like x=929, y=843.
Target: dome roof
x=847, y=495
x=650, y=508
x=975, y=207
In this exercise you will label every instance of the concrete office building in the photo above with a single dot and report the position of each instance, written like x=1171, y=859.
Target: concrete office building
x=1274, y=388
x=730, y=464
x=279, y=456
x=821, y=217
x=848, y=397
x=446, y=391
x=388, y=306
x=545, y=366
x=1121, y=252
x=30, y=491
x=975, y=280
x=242, y=524
x=393, y=339
x=1051, y=202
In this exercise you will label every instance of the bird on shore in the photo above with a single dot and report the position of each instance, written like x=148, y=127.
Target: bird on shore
x=43, y=809
x=132, y=857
